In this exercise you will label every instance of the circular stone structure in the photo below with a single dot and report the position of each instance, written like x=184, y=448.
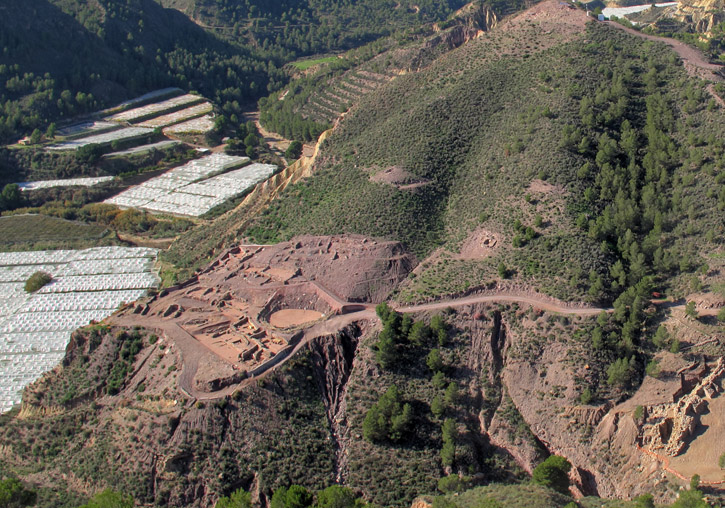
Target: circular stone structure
x=287, y=318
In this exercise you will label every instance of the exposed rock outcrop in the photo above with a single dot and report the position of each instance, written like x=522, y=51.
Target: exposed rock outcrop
x=701, y=15
x=668, y=428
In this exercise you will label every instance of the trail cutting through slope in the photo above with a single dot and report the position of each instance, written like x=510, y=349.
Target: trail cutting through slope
x=193, y=351
x=692, y=58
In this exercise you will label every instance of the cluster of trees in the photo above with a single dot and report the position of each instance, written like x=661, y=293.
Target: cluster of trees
x=523, y=234
x=10, y=197
x=13, y=494
x=296, y=496
x=284, y=115
x=389, y=419
x=88, y=45
x=140, y=46
x=129, y=345
x=130, y=221
x=110, y=499
x=246, y=138
x=285, y=118
x=628, y=136
x=294, y=151
x=293, y=28
x=400, y=329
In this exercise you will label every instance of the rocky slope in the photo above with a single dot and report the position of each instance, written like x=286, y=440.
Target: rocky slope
x=701, y=15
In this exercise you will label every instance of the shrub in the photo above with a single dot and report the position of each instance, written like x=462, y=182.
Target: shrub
x=553, y=473
x=13, y=494
x=294, y=150
x=109, y=498
x=37, y=281
x=237, y=499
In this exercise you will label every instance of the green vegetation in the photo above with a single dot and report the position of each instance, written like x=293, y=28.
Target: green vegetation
x=28, y=232
x=389, y=419
x=596, y=162
x=294, y=150
x=68, y=224
x=449, y=433
x=504, y=496
x=10, y=197
x=588, y=116
x=37, y=281
x=13, y=494
x=335, y=496
x=553, y=473
x=110, y=499
x=306, y=64
x=130, y=345
x=138, y=46
x=240, y=498
x=297, y=496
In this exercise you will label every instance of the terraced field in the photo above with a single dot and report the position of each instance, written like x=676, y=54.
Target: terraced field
x=342, y=92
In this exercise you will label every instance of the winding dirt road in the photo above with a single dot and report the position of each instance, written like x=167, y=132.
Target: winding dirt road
x=540, y=302
x=192, y=350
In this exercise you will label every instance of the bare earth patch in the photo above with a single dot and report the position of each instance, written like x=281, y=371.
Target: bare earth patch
x=399, y=177
x=540, y=186
x=701, y=456
x=287, y=318
x=480, y=244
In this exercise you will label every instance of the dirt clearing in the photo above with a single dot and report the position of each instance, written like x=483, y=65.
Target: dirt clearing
x=288, y=318
x=701, y=456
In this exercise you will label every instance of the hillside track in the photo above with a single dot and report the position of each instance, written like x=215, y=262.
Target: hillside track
x=692, y=57
x=194, y=352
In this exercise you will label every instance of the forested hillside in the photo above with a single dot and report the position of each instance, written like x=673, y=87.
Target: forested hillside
x=61, y=58
x=83, y=55
x=621, y=138
x=291, y=28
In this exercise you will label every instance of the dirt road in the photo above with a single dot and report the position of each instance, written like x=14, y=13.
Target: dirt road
x=540, y=302
x=192, y=351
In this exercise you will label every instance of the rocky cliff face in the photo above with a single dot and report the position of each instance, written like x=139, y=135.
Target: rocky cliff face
x=468, y=22
x=152, y=441
x=702, y=15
